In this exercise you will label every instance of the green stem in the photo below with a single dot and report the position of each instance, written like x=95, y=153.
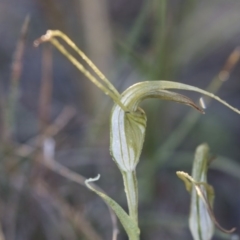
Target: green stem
x=131, y=190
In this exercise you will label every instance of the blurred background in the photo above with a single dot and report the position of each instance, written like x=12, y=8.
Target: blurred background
x=54, y=123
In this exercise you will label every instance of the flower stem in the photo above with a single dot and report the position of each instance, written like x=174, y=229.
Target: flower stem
x=131, y=190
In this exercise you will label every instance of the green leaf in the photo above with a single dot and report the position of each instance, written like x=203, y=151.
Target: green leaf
x=128, y=223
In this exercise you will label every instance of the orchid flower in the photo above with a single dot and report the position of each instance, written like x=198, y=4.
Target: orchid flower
x=128, y=123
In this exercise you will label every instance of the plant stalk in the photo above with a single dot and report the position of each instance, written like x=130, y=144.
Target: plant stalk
x=131, y=190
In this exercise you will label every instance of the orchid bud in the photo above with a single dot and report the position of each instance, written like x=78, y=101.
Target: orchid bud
x=202, y=221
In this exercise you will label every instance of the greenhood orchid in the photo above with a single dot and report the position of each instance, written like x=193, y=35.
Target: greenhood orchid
x=128, y=123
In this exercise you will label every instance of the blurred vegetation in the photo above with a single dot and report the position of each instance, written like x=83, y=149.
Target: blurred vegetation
x=49, y=111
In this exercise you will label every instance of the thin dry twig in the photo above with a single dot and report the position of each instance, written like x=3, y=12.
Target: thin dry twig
x=35, y=143
x=15, y=76
x=25, y=150
x=46, y=87
x=8, y=104
x=9, y=123
x=75, y=177
x=76, y=217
